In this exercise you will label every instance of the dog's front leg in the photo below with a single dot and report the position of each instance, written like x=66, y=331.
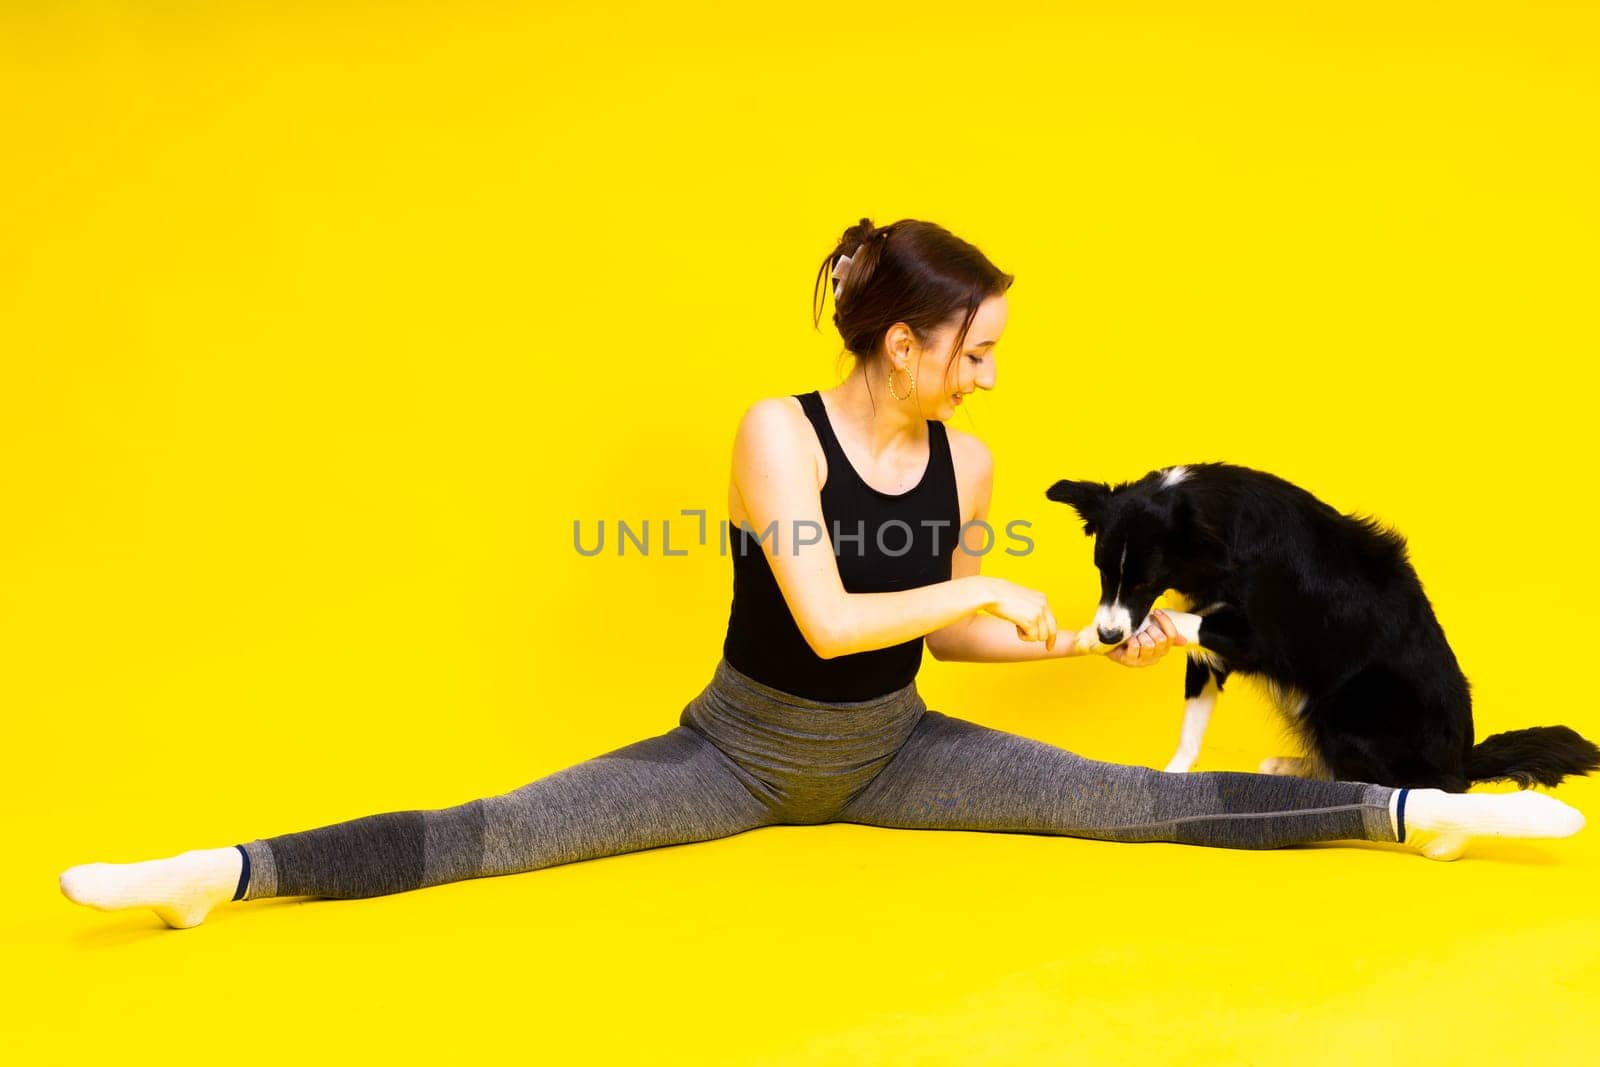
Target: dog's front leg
x=1199, y=697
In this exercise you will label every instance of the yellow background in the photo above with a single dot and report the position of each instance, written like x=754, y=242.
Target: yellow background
x=322, y=322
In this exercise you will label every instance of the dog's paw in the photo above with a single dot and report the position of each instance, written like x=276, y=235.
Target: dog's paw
x=1186, y=623
x=1179, y=764
x=1088, y=640
x=1290, y=766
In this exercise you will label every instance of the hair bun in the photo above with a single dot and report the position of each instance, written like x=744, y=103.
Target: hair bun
x=858, y=234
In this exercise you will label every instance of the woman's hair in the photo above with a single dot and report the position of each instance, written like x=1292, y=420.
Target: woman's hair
x=909, y=271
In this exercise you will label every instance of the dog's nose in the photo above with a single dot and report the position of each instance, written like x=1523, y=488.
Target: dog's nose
x=1109, y=637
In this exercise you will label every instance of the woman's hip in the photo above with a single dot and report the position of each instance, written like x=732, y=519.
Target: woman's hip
x=804, y=757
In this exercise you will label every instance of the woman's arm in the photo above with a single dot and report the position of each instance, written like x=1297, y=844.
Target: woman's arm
x=985, y=639
x=777, y=482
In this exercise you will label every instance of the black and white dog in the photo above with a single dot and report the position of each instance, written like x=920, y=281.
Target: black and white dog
x=1324, y=608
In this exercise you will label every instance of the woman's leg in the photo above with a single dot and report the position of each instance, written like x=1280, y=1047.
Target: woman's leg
x=957, y=775
x=666, y=790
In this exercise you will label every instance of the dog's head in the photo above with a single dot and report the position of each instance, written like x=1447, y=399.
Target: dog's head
x=1149, y=537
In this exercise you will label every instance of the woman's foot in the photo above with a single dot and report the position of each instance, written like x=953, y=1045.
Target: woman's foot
x=181, y=889
x=1439, y=824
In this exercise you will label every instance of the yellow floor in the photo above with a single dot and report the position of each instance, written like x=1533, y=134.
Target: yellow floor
x=323, y=324
x=823, y=945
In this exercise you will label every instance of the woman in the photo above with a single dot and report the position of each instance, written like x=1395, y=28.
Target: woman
x=846, y=505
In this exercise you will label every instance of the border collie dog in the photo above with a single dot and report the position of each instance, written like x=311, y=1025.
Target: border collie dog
x=1324, y=608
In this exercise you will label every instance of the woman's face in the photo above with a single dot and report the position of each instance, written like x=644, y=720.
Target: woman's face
x=943, y=376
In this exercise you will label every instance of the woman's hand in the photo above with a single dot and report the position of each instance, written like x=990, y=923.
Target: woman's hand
x=1149, y=644
x=1027, y=608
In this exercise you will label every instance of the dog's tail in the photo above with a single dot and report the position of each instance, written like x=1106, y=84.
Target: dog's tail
x=1540, y=755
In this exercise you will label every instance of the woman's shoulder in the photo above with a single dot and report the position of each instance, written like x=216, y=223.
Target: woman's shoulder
x=775, y=425
x=968, y=451
x=775, y=443
x=974, y=471
x=775, y=406
x=768, y=417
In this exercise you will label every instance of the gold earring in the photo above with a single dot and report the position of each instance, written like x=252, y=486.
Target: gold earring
x=910, y=393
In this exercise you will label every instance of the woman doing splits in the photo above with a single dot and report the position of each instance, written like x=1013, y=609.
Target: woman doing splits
x=848, y=504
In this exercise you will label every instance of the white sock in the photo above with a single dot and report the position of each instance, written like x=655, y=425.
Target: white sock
x=1439, y=824
x=182, y=889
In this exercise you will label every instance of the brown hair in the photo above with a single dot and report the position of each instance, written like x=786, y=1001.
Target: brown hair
x=909, y=271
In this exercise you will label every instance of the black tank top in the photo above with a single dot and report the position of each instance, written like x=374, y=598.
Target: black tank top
x=905, y=540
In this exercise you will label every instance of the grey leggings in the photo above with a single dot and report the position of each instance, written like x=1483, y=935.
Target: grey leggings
x=746, y=755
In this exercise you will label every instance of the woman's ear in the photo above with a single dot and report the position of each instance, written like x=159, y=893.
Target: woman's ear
x=900, y=340
x=1088, y=499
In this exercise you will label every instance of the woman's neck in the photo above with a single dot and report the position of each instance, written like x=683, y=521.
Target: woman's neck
x=875, y=417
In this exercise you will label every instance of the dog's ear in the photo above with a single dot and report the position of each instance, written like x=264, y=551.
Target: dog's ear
x=1088, y=499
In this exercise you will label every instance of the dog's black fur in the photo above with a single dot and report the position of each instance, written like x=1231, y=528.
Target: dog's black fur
x=1318, y=604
